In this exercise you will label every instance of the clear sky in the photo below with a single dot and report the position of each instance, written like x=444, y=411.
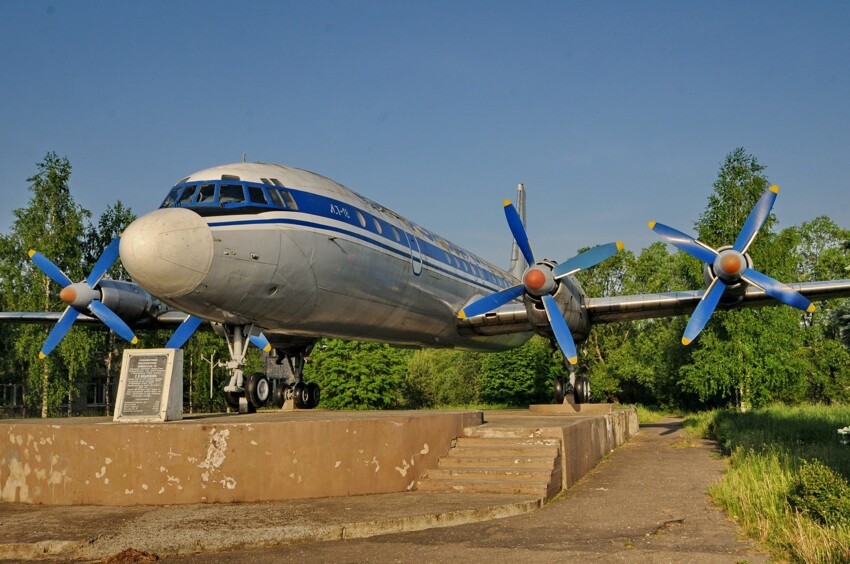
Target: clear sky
x=611, y=113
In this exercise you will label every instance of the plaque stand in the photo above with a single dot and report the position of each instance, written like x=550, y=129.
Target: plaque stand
x=151, y=386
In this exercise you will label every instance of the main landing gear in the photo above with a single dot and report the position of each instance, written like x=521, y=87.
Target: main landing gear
x=305, y=395
x=578, y=386
x=246, y=395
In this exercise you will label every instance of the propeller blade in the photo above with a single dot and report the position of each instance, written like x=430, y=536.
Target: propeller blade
x=182, y=334
x=684, y=242
x=59, y=331
x=756, y=219
x=778, y=290
x=260, y=342
x=561, y=329
x=588, y=258
x=703, y=311
x=107, y=259
x=518, y=231
x=51, y=270
x=111, y=320
x=491, y=302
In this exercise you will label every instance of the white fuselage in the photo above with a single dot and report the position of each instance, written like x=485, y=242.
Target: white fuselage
x=326, y=263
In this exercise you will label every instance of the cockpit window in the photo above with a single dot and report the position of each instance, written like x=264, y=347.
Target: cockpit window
x=256, y=194
x=230, y=197
x=206, y=195
x=187, y=194
x=230, y=193
x=171, y=198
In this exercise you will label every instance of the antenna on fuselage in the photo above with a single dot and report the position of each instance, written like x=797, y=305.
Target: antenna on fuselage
x=244, y=156
x=518, y=264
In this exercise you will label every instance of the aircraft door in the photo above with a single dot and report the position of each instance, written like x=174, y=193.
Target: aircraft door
x=415, y=251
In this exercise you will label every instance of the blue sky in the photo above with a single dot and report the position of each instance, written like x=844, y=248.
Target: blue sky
x=611, y=113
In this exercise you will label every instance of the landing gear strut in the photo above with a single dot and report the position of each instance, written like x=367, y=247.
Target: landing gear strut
x=578, y=386
x=243, y=394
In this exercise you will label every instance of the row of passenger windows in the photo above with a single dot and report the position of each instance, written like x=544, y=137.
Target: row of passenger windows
x=226, y=193
x=230, y=193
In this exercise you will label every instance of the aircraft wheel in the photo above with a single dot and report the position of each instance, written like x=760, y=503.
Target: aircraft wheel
x=315, y=394
x=582, y=390
x=559, y=390
x=301, y=395
x=232, y=400
x=279, y=395
x=258, y=390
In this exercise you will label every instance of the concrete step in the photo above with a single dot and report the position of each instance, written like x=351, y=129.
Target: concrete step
x=482, y=486
x=504, y=432
x=524, y=462
x=503, y=450
x=541, y=475
x=490, y=442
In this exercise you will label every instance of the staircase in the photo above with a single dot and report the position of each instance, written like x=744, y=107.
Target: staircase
x=502, y=460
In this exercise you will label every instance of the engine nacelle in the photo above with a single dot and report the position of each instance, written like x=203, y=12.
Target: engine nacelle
x=129, y=301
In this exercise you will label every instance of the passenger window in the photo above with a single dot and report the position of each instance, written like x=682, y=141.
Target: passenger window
x=231, y=193
x=361, y=219
x=206, y=194
x=395, y=234
x=277, y=200
x=187, y=194
x=256, y=194
x=377, y=225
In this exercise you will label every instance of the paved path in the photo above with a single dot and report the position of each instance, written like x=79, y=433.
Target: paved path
x=645, y=503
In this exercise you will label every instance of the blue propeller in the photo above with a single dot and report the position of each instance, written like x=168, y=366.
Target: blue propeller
x=729, y=266
x=541, y=281
x=191, y=323
x=82, y=297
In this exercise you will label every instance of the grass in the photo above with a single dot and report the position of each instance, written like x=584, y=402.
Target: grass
x=768, y=448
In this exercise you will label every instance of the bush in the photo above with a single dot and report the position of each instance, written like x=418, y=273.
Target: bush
x=822, y=493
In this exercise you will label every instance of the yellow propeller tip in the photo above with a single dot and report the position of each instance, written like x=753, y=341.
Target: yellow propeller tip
x=41, y=355
x=573, y=360
x=461, y=315
x=686, y=341
x=811, y=308
x=134, y=341
x=268, y=348
x=774, y=189
x=31, y=252
x=506, y=203
x=652, y=225
x=620, y=246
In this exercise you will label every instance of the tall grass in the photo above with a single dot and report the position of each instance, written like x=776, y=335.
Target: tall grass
x=767, y=449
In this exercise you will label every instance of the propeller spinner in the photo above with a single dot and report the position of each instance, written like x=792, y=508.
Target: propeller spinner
x=81, y=297
x=541, y=281
x=730, y=266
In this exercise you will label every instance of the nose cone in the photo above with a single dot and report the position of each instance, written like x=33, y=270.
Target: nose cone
x=168, y=251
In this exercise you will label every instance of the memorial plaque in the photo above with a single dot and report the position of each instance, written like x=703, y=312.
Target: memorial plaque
x=151, y=385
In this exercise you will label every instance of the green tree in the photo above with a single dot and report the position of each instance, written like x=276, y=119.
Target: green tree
x=358, y=375
x=521, y=376
x=53, y=224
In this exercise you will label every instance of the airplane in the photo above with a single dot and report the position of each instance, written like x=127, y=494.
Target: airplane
x=280, y=257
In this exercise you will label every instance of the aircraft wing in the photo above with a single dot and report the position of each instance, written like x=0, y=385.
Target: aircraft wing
x=646, y=306
x=164, y=320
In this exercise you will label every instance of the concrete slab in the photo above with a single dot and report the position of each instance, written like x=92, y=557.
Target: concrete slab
x=266, y=456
